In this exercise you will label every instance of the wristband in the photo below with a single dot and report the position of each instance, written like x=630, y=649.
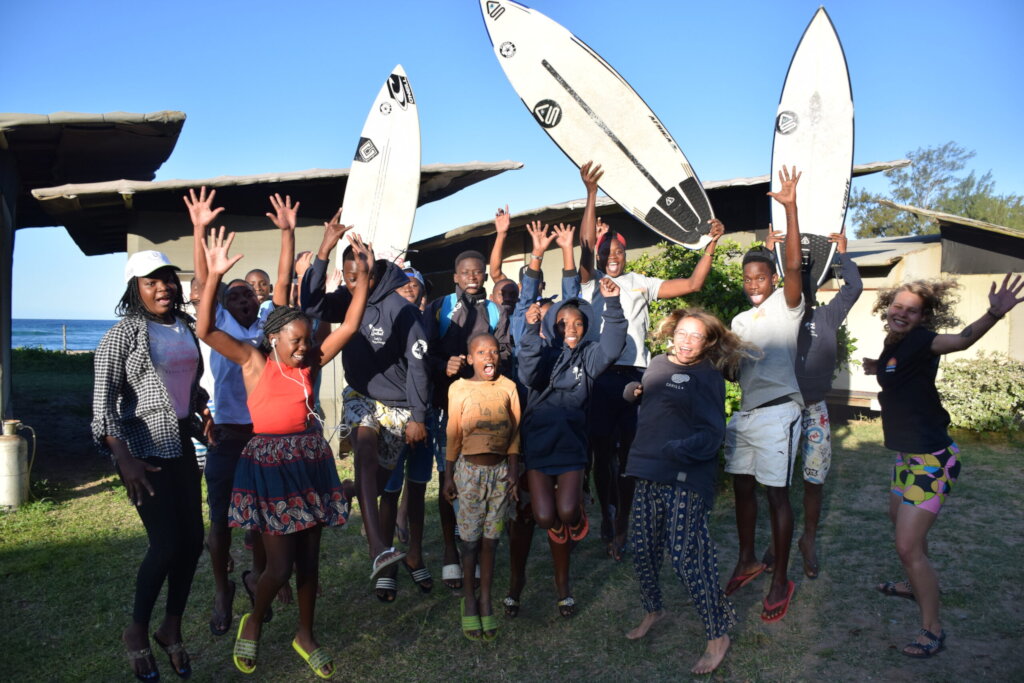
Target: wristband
x=534, y=257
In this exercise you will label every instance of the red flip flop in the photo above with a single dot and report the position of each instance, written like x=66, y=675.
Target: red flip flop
x=738, y=582
x=784, y=604
x=579, y=532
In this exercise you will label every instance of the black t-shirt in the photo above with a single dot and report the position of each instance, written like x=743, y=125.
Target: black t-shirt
x=913, y=419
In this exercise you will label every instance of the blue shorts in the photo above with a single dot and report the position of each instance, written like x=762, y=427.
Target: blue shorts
x=221, y=460
x=414, y=464
x=437, y=434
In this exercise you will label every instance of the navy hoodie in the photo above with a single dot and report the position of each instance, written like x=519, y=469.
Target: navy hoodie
x=559, y=381
x=680, y=426
x=387, y=360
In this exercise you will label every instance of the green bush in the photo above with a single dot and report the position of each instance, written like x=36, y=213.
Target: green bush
x=38, y=359
x=985, y=393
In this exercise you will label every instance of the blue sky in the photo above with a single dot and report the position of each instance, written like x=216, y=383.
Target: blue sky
x=286, y=86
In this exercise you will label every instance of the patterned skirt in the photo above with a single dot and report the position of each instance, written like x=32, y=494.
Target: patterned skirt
x=286, y=483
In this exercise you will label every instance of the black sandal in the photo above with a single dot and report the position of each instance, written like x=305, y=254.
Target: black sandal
x=215, y=627
x=889, y=589
x=176, y=649
x=935, y=645
x=511, y=607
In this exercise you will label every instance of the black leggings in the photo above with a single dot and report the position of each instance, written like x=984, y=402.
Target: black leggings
x=174, y=524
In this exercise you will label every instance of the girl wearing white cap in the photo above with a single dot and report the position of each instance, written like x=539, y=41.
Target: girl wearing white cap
x=145, y=397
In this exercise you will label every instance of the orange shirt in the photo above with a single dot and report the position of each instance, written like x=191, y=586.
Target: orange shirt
x=483, y=417
x=278, y=404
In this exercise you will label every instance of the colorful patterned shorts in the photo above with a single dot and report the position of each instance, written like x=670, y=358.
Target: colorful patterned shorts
x=816, y=446
x=925, y=480
x=387, y=421
x=483, y=499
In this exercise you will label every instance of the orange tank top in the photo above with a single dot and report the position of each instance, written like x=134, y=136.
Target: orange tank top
x=278, y=405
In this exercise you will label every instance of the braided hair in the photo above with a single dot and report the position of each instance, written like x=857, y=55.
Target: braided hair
x=277, y=320
x=131, y=301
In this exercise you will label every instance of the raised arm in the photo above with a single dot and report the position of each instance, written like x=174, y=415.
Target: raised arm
x=354, y=316
x=613, y=332
x=563, y=238
x=852, y=287
x=284, y=217
x=312, y=290
x=542, y=240
x=792, y=263
x=501, y=223
x=202, y=213
x=217, y=263
x=688, y=285
x=590, y=174
x=1000, y=303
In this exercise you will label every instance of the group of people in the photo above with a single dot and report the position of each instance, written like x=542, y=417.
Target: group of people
x=519, y=400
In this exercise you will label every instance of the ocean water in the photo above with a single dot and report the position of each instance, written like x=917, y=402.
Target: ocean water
x=82, y=335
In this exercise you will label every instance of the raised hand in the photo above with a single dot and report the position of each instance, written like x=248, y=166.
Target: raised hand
x=601, y=228
x=774, y=237
x=787, y=193
x=533, y=314
x=303, y=263
x=217, y=260
x=333, y=232
x=364, y=256
x=563, y=235
x=455, y=365
x=717, y=229
x=1002, y=301
x=609, y=290
x=200, y=207
x=591, y=173
x=840, y=240
x=284, y=216
x=541, y=239
x=333, y=281
x=502, y=220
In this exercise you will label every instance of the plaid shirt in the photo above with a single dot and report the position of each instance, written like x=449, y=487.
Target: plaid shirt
x=130, y=401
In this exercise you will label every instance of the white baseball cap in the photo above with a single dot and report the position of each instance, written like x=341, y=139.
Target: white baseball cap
x=143, y=263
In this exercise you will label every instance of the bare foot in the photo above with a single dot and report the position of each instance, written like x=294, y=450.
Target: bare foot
x=649, y=620
x=284, y=595
x=712, y=656
x=810, y=553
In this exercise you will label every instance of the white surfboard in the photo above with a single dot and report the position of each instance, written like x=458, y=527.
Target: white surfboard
x=384, y=181
x=814, y=132
x=592, y=113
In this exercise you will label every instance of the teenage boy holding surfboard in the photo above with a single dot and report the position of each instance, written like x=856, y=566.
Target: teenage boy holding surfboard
x=761, y=439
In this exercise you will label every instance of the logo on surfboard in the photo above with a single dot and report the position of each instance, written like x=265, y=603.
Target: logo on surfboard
x=507, y=49
x=366, y=150
x=786, y=122
x=548, y=113
x=398, y=88
x=385, y=108
x=494, y=9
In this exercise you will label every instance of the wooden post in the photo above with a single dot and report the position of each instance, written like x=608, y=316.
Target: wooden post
x=64, y=335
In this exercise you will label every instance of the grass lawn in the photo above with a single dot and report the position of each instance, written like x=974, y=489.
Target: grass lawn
x=68, y=561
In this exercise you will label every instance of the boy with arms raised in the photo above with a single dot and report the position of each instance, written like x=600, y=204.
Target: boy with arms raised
x=761, y=440
x=388, y=392
x=481, y=471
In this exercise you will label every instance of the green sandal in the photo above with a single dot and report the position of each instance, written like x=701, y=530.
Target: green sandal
x=244, y=648
x=470, y=623
x=317, y=659
x=489, y=622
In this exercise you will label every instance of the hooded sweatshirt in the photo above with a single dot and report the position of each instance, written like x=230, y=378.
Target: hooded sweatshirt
x=387, y=360
x=559, y=381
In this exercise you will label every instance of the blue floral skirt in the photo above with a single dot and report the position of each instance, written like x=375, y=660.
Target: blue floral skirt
x=286, y=483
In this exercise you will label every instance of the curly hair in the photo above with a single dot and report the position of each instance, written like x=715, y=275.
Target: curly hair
x=723, y=347
x=938, y=298
x=277, y=320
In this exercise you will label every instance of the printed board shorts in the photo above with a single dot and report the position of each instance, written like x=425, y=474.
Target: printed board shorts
x=924, y=480
x=763, y=443
x=483, y=500
x=816, y=446
x=387, y=421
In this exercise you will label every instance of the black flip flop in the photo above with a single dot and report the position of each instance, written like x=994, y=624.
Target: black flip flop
x=252, y=598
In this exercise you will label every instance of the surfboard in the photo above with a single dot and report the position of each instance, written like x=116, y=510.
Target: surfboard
x=384, y=180
x=592, y=113
x=814, y=132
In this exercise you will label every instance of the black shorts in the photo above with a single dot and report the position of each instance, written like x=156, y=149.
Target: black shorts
x=220, y=467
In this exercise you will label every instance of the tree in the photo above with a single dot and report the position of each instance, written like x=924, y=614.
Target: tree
x=932, y=182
